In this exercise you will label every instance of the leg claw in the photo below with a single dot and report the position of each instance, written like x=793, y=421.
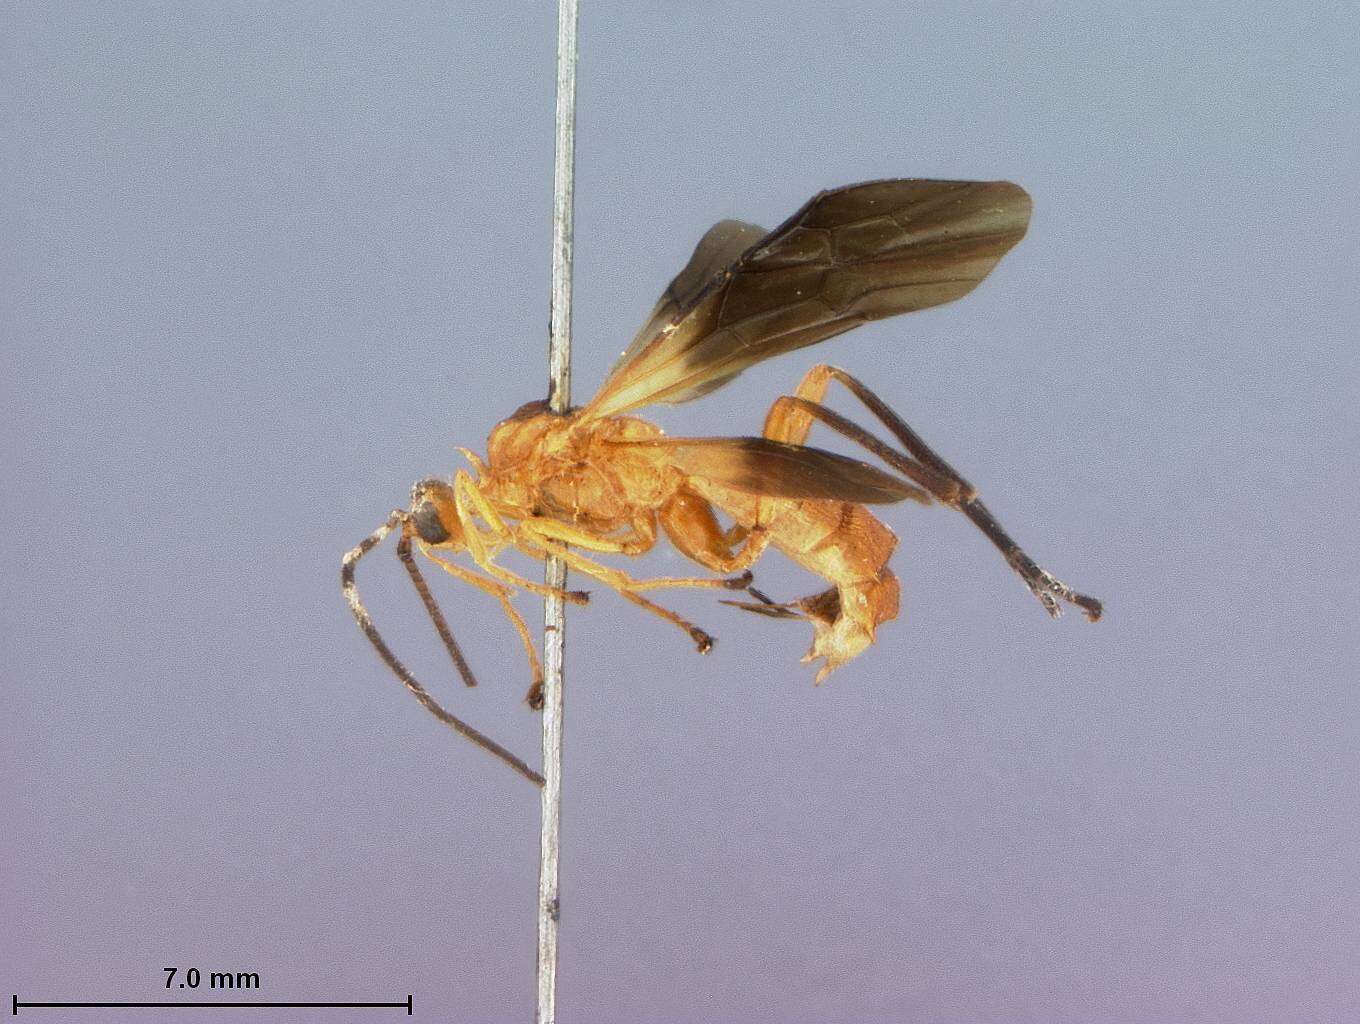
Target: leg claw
x=1052, y=591
x=702, y=641
x=534, y=698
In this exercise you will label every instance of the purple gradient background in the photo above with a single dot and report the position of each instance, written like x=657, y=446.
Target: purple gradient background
x=264, y=265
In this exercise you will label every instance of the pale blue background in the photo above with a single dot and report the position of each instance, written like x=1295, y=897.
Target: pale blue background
x=265, y=264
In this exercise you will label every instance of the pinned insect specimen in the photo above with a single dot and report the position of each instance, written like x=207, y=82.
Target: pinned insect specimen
x=600, y=481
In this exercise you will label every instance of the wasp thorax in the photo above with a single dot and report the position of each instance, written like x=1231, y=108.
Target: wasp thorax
x=435, y=513
x=530, y=435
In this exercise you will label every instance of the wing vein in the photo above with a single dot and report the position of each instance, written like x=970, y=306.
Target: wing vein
x=742, y=298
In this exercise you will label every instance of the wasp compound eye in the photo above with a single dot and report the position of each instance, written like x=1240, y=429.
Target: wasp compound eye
x=428, y=496
x=428, y=525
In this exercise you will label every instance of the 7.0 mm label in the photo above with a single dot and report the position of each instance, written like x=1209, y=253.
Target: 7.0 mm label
x=193, y=978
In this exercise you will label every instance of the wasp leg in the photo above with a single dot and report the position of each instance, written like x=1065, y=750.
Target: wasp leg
x=538, y=544
x=549, y=535
x=471, y=503
x=350, y=589
x=643, y=537
x=642, y=540
x=791, y=417
x=502, y=594
x=763, y=605
x=692, y=526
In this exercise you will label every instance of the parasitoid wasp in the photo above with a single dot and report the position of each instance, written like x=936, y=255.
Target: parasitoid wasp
x=598, y=480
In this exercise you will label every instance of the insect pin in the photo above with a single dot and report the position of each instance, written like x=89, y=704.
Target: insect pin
x=598, y=481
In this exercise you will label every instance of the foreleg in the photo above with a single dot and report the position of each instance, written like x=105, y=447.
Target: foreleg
x=470, y=504
x=351, y=591
x=502, y=595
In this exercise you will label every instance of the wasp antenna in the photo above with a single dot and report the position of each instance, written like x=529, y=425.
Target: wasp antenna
x=351, y=591
x=436, y=615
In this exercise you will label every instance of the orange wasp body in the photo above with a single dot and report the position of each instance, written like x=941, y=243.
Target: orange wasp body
x=597, y=481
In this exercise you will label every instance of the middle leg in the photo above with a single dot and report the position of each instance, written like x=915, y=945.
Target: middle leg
x=540, y=545
x=550, y=537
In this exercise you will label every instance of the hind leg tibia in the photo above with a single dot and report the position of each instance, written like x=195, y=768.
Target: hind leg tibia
x=791, y=420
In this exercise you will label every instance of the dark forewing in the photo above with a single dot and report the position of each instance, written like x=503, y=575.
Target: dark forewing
x=850, y=255
x=721, y=246
x=758, y=465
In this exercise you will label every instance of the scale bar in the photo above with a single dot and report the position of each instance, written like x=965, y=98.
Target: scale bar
x=18, y=1004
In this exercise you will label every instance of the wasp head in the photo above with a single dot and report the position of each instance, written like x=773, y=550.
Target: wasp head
x=435, y=514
